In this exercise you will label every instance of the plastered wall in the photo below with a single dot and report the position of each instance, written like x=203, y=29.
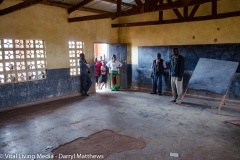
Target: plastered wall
x=202, y=32
x=50, y=24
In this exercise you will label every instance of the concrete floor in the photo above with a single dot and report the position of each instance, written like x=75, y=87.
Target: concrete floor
x=192, y=129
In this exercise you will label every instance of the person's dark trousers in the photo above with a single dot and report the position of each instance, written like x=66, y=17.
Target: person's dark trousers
x=157, y=84
x=86, y=82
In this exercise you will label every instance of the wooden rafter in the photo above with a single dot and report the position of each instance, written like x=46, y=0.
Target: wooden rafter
x=115, y=2
x=180, y=4
x=160, y=14
x=185, y=13
x=119, y=7
x=194, y=10
x=82, y=3
x=176, y=11
x=1, y=1
x=93, y=17
x=165, y=6
x=139, y=4
x=200, y=18
x=68, y=6
x=19, y=6
x=214, y=7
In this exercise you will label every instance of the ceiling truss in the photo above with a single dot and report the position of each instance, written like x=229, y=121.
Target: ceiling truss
x=140, y=7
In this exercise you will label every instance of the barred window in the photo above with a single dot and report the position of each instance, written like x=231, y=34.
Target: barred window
x=22, y=60
x=75, y=49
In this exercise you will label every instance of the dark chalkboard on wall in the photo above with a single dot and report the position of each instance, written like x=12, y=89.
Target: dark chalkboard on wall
x=191, y=53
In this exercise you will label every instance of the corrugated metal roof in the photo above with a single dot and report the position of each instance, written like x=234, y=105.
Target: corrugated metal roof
x=97, y=4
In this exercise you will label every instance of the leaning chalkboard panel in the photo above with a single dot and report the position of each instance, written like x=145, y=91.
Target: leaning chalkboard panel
x=212, y=75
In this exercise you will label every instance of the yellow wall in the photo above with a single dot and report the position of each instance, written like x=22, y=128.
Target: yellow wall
x=50, y=24
x=205, y=32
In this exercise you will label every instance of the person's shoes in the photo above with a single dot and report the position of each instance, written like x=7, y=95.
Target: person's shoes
x=153, y=93
x=83, y=93
x=172, y=100
x=86, y=94
x=178, y=102
x=159, y=94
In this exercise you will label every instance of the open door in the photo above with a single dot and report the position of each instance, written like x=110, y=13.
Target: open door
x=120, y=50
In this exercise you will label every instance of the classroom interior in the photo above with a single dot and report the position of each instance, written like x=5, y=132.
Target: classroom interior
x=43, y=114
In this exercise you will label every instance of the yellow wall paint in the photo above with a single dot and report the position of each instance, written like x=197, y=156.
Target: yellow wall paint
x=50, y=24
x=205, y=32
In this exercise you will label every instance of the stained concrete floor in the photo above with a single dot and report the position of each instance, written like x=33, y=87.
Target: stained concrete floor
x=192, y=129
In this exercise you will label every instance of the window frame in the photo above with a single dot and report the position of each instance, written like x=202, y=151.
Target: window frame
x=22, y=60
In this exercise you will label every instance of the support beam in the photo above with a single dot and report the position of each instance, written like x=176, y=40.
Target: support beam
x=214, y=7
x=139, y=4
x=167, y=6
x=1, y=1
x=180, y=4
x=19, y=6
x=84, y=2
x=68, y=6
x=185, y=13
x=194, y=10
x=132, y=11
x=119, y=7
x=93, y=17
x=115, y=2
x=160, y=14
x=200, y=18
x=176, y=11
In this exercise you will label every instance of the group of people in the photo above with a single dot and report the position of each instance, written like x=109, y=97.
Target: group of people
x=100, y=73
x=176, y=72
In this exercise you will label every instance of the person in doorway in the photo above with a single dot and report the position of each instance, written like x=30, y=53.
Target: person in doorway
x=97, y=68
x=114, y=66
x=158, y=67
x=85, y=77
x=103, y=76
x=176, y=73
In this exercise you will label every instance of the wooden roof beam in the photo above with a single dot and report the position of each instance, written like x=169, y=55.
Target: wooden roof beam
x=176, y=11
x=93, y=17
x=69, y=6
x=119, y=7
x=139, y=5
x=167, y=6
x=19, y=6
x=1, y=1
x=200, y=18
x=73, y=8
x=214, y=7
x=194, y=10
x=180, y=4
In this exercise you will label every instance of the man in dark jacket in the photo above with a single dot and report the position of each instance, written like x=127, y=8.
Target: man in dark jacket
x=176, y=72
x=85, y=77
x=158, y=67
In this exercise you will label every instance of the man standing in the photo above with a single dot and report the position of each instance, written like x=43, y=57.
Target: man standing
x=86, y=81
x=158, y=67
x=176, y=72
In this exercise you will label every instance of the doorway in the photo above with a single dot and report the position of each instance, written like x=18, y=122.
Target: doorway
x=106, y=50
x=101, y=50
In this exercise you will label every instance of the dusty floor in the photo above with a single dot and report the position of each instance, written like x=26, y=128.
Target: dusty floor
x=192, y=130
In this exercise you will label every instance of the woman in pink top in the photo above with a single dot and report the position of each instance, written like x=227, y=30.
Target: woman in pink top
x=103, y=75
